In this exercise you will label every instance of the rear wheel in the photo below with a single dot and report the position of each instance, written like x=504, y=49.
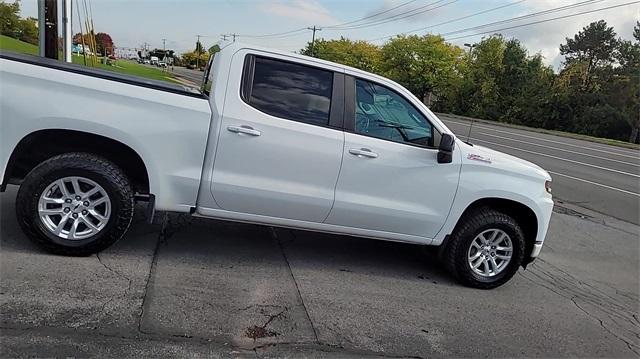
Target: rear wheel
x=485, y=250
x=75, y=204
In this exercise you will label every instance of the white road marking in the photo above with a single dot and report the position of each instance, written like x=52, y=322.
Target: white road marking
x=559, y=158
x=595, y=183
x=561, y=149
x=552, y=141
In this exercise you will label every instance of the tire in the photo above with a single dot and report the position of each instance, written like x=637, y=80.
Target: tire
x=59, y=185
x=459, y=250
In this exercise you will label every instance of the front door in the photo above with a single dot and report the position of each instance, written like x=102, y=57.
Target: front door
x=278, y=154
x=390, y=179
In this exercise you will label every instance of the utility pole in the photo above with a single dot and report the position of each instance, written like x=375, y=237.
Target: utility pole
x=313, y=38
x=224, y=37
x=48, y=28
x=163, y=44
x=198, y=44
x=234, y=37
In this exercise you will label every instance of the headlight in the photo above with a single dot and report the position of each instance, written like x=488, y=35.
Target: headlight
x=547, y=186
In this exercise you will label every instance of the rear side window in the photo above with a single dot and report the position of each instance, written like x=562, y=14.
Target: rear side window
x=291, y=91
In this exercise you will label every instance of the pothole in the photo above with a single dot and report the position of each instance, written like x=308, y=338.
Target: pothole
x=256, y=332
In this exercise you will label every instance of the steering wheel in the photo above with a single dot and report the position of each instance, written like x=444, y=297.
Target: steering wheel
x=362, y=119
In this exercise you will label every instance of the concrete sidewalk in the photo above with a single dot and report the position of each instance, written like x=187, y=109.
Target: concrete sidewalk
x=216, y=289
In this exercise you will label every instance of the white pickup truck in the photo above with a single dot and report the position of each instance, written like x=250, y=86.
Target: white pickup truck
x=272, y=138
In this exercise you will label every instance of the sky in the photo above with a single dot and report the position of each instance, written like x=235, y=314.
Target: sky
x=135, y=22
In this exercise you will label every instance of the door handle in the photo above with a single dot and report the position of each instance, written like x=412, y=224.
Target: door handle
x=247, y=130
x=363, y=152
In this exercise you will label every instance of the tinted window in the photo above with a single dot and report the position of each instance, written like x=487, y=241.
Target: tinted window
x=295, y=92
x=383, y=113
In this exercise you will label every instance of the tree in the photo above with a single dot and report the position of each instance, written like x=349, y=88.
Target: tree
x=426, y=64
x=81, y=39
x=9, y=18
x=624, y=87
x=594, y=45
x=28, y=31
x=524, y=86
x=104, y=43
x=636, y=31
x=199, y=48
x=195, y=59
x=358, y=54
x=483, y=71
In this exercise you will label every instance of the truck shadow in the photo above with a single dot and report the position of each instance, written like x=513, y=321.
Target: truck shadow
x=214, y=243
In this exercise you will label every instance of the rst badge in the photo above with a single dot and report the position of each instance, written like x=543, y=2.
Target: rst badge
x=475, y=157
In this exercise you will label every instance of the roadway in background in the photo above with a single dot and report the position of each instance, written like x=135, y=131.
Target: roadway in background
x=596, y=176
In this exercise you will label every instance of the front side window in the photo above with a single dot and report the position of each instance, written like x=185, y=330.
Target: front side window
x=291, y=91
x=385, y=114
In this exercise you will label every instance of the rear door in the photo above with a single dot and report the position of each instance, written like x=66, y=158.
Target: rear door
x=281, y=139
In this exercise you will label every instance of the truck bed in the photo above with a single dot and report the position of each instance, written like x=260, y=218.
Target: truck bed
x=103, y=74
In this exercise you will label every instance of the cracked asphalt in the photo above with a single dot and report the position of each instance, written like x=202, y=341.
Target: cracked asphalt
x=204, y=288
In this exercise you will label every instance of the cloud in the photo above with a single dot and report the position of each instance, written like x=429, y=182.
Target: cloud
x=304, y=11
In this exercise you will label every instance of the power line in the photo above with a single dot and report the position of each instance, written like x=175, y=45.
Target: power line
x=371, y=16
x=522, y=17
x=452, y=20
x=508, y=20
x=543, y=21
x=304, y=29
x=400, y=16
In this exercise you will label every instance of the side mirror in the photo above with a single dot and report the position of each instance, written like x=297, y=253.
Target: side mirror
x=445, y=150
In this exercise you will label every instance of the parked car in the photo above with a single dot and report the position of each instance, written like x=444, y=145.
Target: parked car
x=273, y=138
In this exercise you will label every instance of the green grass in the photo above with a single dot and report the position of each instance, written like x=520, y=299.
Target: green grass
x=128, y=67
x=10, y=44
x=121, y=66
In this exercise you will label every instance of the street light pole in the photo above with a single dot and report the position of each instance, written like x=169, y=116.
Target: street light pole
x=470, y=46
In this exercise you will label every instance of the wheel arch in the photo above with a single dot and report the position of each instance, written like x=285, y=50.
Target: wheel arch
x=40, y=145
x=521, y=213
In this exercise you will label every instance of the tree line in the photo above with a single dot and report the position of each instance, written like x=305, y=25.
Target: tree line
x=596, y=91
x=12, y=25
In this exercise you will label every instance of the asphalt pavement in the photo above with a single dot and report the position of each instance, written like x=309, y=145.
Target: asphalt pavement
x=596, y=176
x=206, y=288
x=193, y=76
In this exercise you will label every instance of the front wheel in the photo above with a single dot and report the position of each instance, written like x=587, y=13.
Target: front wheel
x=75, y=204
x=485, y=250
